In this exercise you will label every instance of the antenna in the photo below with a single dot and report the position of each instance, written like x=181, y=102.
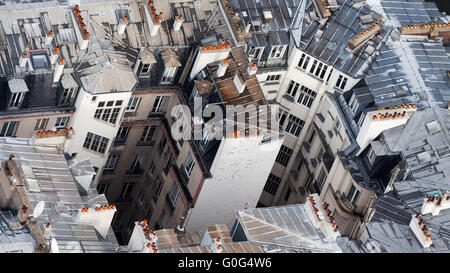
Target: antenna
x=38, y=209
x=54, y=248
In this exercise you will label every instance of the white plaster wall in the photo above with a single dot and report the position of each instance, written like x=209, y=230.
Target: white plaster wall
x=239, y=173
x=83, y=122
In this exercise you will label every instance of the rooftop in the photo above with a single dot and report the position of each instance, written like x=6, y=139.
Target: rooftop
x=42, y=174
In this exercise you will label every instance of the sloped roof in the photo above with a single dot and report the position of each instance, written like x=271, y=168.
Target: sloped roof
x=204, y=86
x=107, y=70
x=285, y=226
x=147, y=57
x=170, y=58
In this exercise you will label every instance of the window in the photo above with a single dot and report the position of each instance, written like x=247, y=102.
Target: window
x=313, y=134
x=273, y=78
x=254, y=52
x=122, y=134
x=106, y=111
x=313, y=67
x=353, y=195
x=102, y=188
x=306, y=96
x=294, y=125
x=67, y=95
x=277, y=52
x=164, y=221
x=138, y=162
x=292, y=89
x=353, y=103
x=151, y=170
x=284, y=155
x=288, y=193
x=169, y=74
x=162, y=143
x=95, y=143
x=188, y=164
x=320, y=154
x=304, y=60
x=111, y=162
x=282, y=117
x=41, y=124
x=371, y=156
x=174, y=192
x=133, y=104
x=160, y=104
x=341, y=82
x=141, y=198
x=61, y=122
x=321, y=178
x=272, y=184
x=9, y=128
x=158, y=190
x=127, y=188
x=329, y=74
x=16, y=99
x=145, y=69
x=148, y=133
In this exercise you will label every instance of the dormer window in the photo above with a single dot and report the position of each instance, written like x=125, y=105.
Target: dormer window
x=67, y=95
x=171, y=64
x=277, y=52
x=371, y=156
x=16, y=100
x=18, y=88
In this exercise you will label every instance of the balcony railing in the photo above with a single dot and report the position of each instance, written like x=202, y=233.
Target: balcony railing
x=347, y=202
x=135, y=171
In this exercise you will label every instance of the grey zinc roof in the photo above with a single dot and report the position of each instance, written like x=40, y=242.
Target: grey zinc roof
x=285, y=226
x=329, y=43
x=14, y=236
x=56, y=186
x=409, y=70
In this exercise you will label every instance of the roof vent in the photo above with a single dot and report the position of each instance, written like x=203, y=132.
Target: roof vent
x=433, y=127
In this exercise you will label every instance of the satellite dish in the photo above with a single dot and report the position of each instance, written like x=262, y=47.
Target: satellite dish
x=54, y=248
x=38, y=209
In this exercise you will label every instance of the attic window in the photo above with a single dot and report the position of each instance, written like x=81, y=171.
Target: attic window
x=433, y=127
x=424, y=157
x=444, y=151
x=40, y=61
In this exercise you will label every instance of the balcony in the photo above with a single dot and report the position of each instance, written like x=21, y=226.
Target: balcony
x=347, y=204
x=287, y=101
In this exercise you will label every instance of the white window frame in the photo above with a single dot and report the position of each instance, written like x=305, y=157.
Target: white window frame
x=189, y=164
x=111, y=162
x=133, y=104
x=169, y=74
x=174, y=193
x=16, y=99
x=61, y=122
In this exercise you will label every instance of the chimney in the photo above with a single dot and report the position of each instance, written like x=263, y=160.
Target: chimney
x=59, y=69
x=80, y=31
x=317, y=213
x=251, y=69
x=47, y=229
x=422, y=233
x=49, y=37
x=375, y=122
x=216, y=246
x=100, y=217
x=435, y=204
x=143, y=239
x=24, y=58
x=238, y=83
x=209, y=54
x=54, y=55
x=364, y=36
x=153, y=19
x=222, y=69
x=177, y=23
x=122, y=25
